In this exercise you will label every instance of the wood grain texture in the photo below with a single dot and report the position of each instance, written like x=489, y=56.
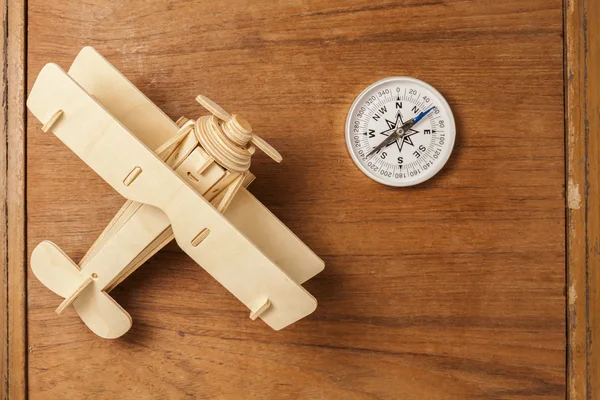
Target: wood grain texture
x=3, y=216
x=582, y=26
x=450, y=290
x=14, y=217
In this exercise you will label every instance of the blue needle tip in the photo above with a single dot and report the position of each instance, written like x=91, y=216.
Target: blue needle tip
x=423, y=114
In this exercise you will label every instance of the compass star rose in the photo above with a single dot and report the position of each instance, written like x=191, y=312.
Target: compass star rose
x=392, y=126
x=406, y=139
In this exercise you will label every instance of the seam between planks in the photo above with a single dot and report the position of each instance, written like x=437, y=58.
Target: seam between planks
x=582, y=31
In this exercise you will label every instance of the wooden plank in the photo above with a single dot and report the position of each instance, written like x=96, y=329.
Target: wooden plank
x=582, y=77
x=15, y=202
x=469, y=304
x=3, y=211
x=576, y=215
x=592, y=101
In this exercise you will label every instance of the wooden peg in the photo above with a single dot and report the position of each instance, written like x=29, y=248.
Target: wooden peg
x=132, y=176
x=53, y=119
x=260, y=310
x=200, y=237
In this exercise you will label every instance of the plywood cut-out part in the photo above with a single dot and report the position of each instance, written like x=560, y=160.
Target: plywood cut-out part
x=185, y=181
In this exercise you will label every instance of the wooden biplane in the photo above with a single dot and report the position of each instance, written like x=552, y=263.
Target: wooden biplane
x=183, y=180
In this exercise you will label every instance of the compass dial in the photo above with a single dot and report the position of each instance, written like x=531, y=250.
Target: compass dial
x=400, y=131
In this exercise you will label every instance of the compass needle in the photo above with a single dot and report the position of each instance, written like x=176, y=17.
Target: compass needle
x=411, y=156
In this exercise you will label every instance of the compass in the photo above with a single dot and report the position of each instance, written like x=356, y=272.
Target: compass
x=400, y=131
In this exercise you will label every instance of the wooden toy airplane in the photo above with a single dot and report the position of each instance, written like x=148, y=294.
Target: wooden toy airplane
x=185, y=180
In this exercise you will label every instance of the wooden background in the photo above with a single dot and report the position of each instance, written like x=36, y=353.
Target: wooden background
x=454, y=289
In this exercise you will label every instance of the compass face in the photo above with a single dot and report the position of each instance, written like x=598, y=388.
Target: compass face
x=420, y=122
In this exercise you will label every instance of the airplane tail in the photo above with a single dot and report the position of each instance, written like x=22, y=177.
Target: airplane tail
x=100, y=312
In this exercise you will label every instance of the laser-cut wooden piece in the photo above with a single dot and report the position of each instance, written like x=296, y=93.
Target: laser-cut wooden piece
x=161, y=168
